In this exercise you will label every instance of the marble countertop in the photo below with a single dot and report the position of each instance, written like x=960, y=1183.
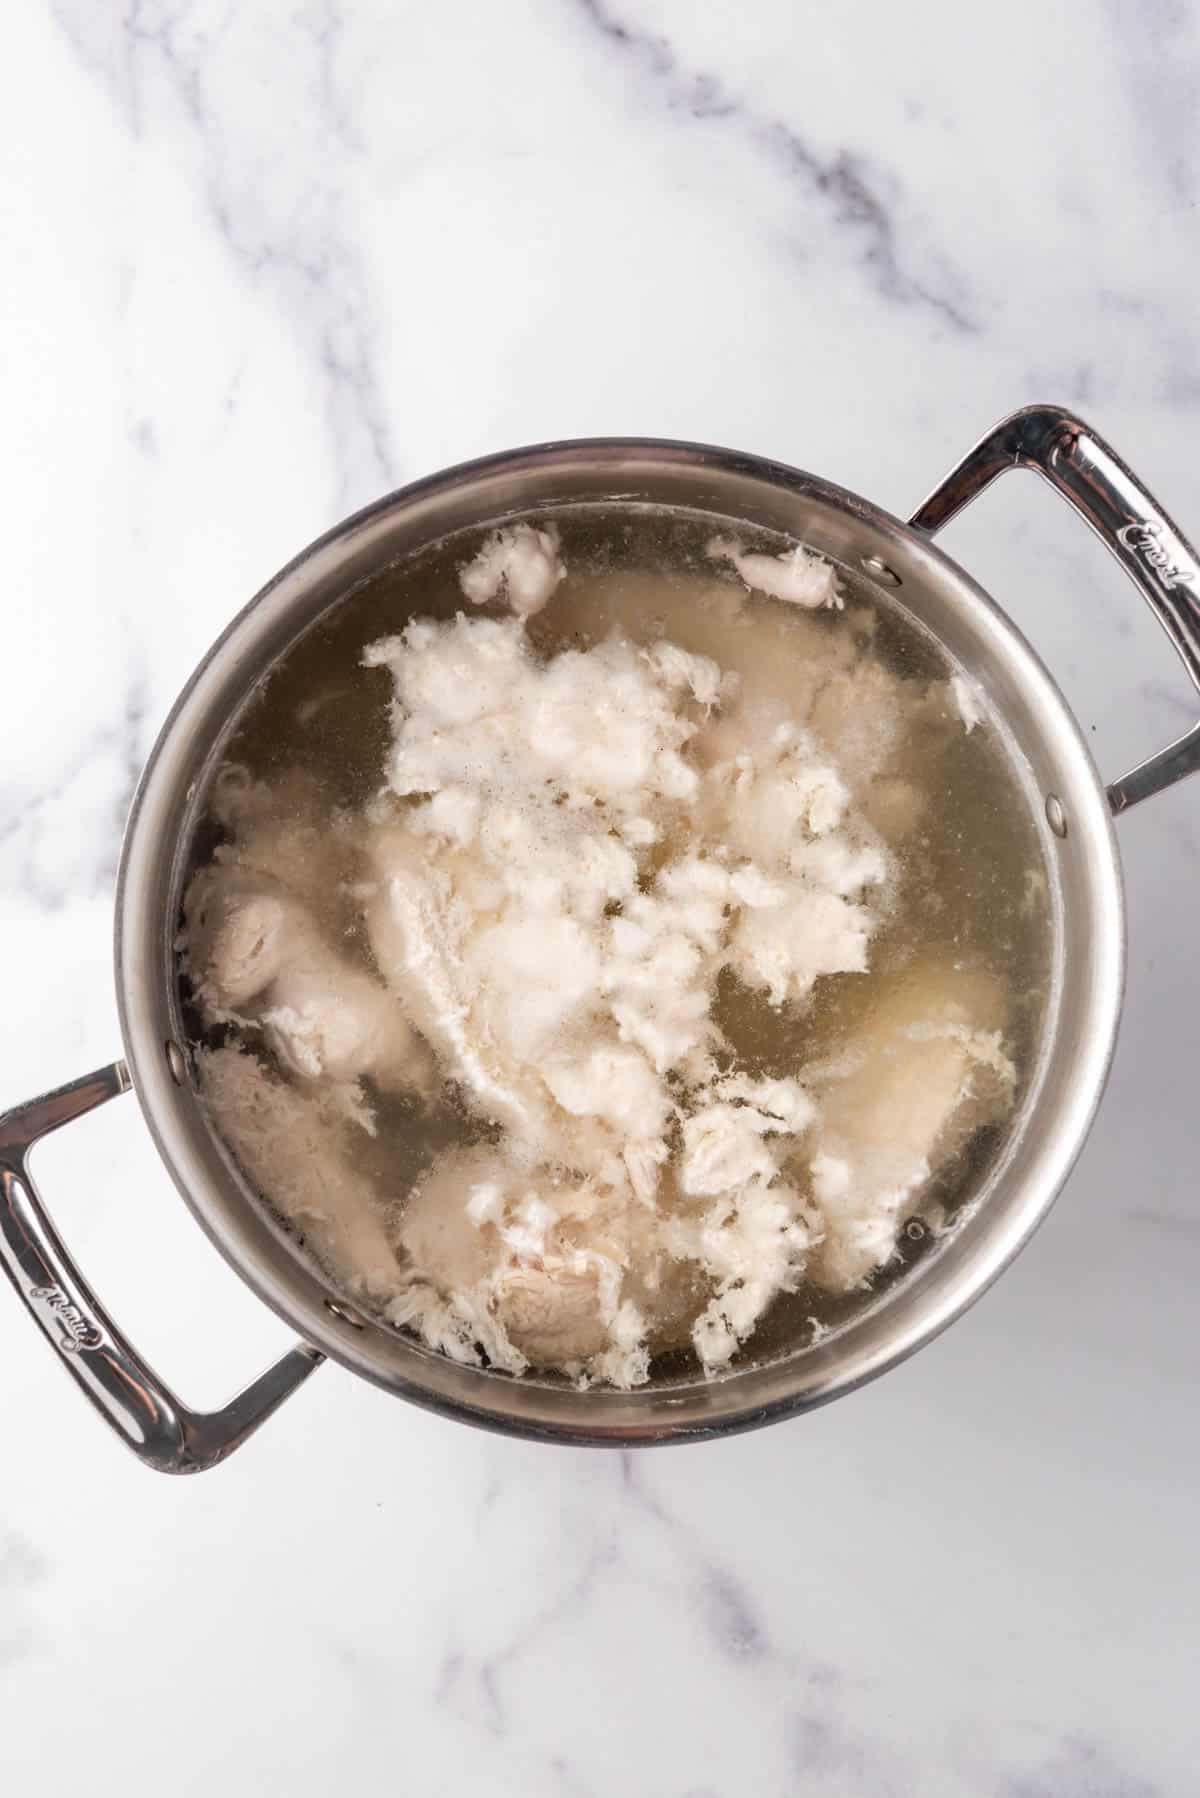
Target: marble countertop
x=263, y=263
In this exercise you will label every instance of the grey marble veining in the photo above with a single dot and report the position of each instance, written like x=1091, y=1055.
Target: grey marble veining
x=264, y=262
x=852, y=194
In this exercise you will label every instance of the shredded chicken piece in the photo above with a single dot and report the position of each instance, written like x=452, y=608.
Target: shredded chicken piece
x=258, y=957
x=968, y=700
x=518, y=562
x=529, y=1268
x=926, y=1070
x=799, y=576
x=292, y=1145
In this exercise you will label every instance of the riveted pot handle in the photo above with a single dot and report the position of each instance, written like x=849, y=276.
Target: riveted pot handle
x=1126, y=518
x=128, y=1395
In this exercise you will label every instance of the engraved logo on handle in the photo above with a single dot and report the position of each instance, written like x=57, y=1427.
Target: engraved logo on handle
x=1146, y=540
x=78, y=1330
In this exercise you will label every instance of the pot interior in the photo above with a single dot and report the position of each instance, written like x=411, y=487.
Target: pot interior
x=1013, y=1174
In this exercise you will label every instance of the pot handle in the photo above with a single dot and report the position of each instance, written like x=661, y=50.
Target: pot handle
x=128, y=1395
x=1128, y=521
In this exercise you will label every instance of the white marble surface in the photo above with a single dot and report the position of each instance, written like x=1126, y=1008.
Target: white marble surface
x=263, y=262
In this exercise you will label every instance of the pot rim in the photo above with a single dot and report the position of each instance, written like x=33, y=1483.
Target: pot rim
x=913, y=1326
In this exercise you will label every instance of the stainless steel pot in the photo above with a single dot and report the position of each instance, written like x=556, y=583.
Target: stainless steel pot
x=1072, y=806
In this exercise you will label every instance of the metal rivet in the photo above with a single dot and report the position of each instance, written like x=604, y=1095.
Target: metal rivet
x=1056, y=817
x=879, y=571
x=916, y=1229
x=176, y=1064
x=347, y=1317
